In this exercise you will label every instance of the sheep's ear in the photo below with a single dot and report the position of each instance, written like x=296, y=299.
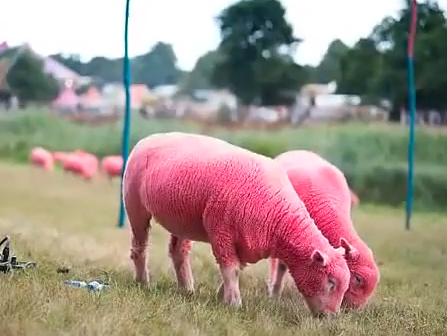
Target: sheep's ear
x=319, y=258
x=350, y=251
x=341, y=251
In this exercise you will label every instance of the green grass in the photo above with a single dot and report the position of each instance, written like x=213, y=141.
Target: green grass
x=347, y=145
x=373, y=156
x=56, y=220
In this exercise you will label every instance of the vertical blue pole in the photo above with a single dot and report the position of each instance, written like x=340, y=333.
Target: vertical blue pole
x=126, y=124
x=412, y=109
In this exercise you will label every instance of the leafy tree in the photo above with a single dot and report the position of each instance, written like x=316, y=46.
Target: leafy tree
x=359, y=68
x=200, y=76
x=377, y=65
x=29, y=82
x=156, y=67
x=256, y=50
x=329, y=67
x=430, y=64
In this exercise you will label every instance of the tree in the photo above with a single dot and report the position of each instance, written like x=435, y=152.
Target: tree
x=156, y=67
x=430, y=64
x=329, y=68
x=376, y=67
x=29, y=82
x=256, y=49
x=360, y=67
x=200, y=76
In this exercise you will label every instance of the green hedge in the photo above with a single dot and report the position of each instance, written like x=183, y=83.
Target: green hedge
x=372, y=156
x=387, y=184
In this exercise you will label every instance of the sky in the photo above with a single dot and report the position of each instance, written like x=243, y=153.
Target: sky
x=96, y=27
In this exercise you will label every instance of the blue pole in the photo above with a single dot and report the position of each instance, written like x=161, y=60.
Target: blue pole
x=412, y=110
x=126, y=124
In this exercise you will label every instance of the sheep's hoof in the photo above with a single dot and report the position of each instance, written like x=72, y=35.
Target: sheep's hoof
x=234, y=301
x=188, y=291
x=220, y=292
x=142, y=281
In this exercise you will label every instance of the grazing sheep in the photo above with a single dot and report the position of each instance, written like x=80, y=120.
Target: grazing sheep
x=82, y=164
x=112, y=166
x=42, y=158
x=355, y=201
x=327, y=197
x=60, y=157
x=203, y=189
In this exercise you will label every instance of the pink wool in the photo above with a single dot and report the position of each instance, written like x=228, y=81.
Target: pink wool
x=327, y=197
x=60, y=157
x=42, y=158
x=82, y=164
x=112, y=165
x=355, y=201
x=204, y=189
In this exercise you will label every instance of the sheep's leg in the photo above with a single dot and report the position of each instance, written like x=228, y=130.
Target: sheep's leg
x=230, y=267
x=220, y=291
x=277, y=272
x=140, y=225
x=231, y=291
x=179, y=251
x=273, y=267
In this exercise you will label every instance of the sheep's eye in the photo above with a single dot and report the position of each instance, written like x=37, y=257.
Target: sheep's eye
x=331, y=284
x=358, y=280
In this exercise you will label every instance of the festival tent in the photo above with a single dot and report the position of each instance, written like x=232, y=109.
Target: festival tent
x=67, y=99
x=113, y=95
x=92, y=98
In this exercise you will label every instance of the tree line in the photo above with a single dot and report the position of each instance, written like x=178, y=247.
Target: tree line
x=258, y=45
x=255, y=60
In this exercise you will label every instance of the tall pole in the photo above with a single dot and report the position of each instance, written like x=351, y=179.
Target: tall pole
x=412, y=110
x=126, y=124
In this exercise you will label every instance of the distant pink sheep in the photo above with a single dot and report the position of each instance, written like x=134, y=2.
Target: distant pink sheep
x=112, y=166
x=42, y=158
x=60, y=157
x=355, y=201
x=327, y=197
x=81, y=163
x=204, y=189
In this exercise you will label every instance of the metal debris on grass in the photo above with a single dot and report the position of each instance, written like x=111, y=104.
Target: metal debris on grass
x=96, y=285
x=8, y=261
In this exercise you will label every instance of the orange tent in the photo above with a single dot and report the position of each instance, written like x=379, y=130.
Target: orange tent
x=67, y=98
x=138, y=94
x=92, y=98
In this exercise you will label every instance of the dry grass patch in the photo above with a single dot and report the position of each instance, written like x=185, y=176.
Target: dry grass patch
x=56, y=219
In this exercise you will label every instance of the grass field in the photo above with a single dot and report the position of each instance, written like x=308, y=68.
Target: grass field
x=56, y=220
x=372, y=156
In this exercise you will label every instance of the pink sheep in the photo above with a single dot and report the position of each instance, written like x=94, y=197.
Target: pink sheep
x=112, y=165
x=204, y=189
x=355, y=201
x=90, y=164
x=42, y=158
x=82, y=164
x=71, y=163
x=327, y=197
x=59, y=157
